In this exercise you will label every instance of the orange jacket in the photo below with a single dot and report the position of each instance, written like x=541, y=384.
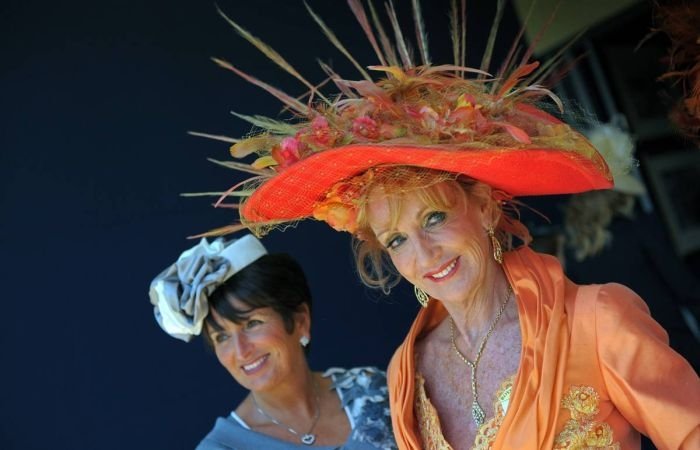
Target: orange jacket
x=574, y=339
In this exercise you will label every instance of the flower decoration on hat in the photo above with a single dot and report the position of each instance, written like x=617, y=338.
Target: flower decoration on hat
x=617, y=148
x=588, y=216
x=180, y=293
x=446, y=117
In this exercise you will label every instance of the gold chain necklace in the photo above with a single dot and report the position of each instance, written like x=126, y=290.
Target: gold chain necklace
x=307, y=438
x=477, y=411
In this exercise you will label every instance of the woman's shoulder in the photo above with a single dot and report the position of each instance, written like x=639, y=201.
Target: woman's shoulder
x=224, y=433
x=357, y=381
x=229, y=433
x=364, y=395
x=613, y=311
x=611, y=300
x=620, y=297
x=619, y=311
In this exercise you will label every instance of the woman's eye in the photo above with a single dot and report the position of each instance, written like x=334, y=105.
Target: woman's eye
x=252, y=323
x=435, y=218
x=394, y=242
x=220, y=337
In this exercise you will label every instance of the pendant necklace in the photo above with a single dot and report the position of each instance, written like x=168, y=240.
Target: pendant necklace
x=477, y=411
x=307, y=438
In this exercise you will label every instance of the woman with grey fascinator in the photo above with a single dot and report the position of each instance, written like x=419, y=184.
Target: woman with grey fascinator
x=254, y=309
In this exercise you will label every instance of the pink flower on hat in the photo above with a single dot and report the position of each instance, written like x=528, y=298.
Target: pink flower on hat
x=321, y=135
x=365, y=127
x=319, y=123
x=287, y=152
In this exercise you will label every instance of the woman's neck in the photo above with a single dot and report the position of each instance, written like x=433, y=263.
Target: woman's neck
x=296, y=397
x=474, y=316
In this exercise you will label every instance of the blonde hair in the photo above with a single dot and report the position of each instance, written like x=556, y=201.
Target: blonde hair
x=437, y=190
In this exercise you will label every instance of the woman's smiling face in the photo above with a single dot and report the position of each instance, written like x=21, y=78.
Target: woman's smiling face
x=438, y=246
x=259, y=352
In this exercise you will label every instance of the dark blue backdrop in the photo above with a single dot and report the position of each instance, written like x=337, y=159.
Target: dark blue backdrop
x=96, y=100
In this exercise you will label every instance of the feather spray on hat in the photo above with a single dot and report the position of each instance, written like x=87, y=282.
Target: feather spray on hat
x=402, y=111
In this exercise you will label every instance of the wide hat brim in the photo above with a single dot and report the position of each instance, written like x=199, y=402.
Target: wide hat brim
x=294, y=192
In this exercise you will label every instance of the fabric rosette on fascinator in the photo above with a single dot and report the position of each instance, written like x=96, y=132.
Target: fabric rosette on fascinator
x=449, y=118
x=179, y=294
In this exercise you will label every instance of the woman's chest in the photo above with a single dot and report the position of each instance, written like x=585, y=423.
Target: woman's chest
x=458, y=392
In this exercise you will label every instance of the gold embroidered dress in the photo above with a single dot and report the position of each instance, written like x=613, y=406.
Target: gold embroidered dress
x=594, y=369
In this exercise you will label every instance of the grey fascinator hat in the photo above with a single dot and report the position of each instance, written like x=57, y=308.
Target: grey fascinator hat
x=179, y=294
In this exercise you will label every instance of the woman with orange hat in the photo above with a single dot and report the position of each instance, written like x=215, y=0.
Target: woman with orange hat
x=422, y=168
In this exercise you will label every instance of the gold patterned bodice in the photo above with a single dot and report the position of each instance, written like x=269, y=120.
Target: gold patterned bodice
x=429, y=422
x=580, y=432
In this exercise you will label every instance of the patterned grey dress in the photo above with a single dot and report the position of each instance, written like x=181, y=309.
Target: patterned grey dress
x=364, y=396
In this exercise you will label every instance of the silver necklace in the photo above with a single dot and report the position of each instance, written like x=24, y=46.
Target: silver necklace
x=477, y=411
x=307, y=438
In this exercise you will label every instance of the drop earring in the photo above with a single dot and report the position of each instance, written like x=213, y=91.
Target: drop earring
x=497, y=250
x=421, y=296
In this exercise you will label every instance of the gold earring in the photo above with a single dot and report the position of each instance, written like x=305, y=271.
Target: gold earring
x=421, y=296
x=497, y=250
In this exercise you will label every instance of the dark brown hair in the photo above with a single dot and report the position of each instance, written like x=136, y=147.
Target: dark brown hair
x=276, y=281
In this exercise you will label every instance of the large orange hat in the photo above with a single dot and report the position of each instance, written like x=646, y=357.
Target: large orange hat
x=447, y=117
x=295, y=192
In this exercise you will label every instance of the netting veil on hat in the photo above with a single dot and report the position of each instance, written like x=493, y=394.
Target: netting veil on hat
x=448, y=118
x=179, y=294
